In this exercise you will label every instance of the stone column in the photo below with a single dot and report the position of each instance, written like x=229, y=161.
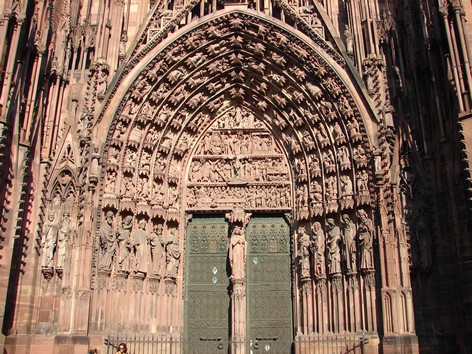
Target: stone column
x=238, y=219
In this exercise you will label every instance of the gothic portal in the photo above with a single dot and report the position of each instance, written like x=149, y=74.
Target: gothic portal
x=216, y=176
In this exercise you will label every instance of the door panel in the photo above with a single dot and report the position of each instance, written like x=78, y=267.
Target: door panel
x=207, y=298
x=269, y=305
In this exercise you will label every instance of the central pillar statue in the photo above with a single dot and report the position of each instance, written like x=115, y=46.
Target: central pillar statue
x=237, y=253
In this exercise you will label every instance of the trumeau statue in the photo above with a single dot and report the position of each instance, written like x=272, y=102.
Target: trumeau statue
x=237, y=253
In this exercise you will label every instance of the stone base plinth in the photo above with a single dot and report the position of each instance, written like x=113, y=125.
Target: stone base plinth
x=407, y=344
x=44, y=344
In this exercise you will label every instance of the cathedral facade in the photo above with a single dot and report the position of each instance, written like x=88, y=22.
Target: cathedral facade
x=236, y=176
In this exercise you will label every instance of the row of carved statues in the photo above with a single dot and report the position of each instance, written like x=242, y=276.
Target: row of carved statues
x=347, y=245
x=55, y=241
x=249, y=197
x=131, y=247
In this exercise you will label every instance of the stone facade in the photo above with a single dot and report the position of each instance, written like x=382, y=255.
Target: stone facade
x=347, y=125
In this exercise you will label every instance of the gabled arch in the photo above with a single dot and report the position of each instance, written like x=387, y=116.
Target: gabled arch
x=181, y=79
x=233, y=60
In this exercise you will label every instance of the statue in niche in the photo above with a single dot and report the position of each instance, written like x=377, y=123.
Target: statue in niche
x=130, y=108
x=292, y=143
x=63, y=240
x=127, y=186
x=328, y=159
x=338, y=134
x=173, y=197
x=131, y=157
x=333, y=245
x=102, y=83
x=362, y=180
x=172, y=255
x=113, y=155
x=331, y=188
x=349, y=41
x=315, y=169
x=120, y=130
x=304, y=244
x=143, y=188
x=343, y=158
x=316, y=193
x=354, y=130
x=237, y=253
x=140, y=241
x=145, y=161
x=107, y=242
x=359, y=155
x=124, y=243
x=346, y=186
x=110, y=182
x=156, y=246
x=321, y=135
x=302, y=196
x=49, y=240
x=365, y=236
x=349, y=234
x=318, y=250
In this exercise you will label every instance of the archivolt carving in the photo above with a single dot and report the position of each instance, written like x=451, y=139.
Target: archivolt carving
x=217, y=120
x=179, y=96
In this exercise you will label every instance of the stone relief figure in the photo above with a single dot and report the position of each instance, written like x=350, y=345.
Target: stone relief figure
x=318, y=249
x=156, y=246
x=110, y=182
x=338, y=134
x=304, y=244
x=237, y=253
x=343, y=158
x=102, y=84
x=140, y=240
x=124, y=244
x=172, y=255
x=107, y=242
x=49, y=241
x=333, y=246
x=354, y=130
x=63, y=240
x=328, y=160
x=315, y=169
x=346, y=185
x=365, y=237
x=349, y=234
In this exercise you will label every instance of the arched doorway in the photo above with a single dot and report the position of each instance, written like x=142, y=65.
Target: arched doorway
x=240, y=113
x=238, y=259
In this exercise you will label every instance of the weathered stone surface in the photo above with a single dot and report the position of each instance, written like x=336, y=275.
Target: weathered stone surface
x=339, y=131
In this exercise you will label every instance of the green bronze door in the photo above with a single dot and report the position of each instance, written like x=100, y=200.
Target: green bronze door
x=207, y=301
x=269, y=300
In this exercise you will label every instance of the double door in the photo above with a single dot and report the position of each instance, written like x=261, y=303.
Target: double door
x=209, y=299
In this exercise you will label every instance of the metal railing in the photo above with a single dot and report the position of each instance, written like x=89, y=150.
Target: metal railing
x=162, y=344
